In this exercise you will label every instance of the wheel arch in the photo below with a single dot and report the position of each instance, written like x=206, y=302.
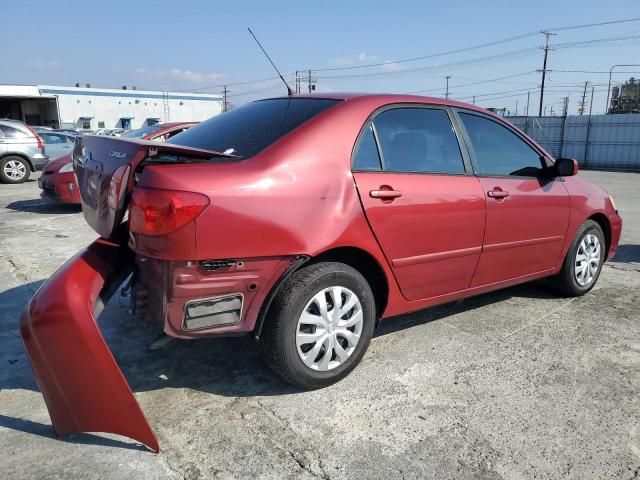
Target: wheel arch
x=355, y=257
x=366, y=264
x=19, y=155
x=602, y=220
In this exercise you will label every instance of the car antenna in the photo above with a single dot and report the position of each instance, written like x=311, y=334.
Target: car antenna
x=289, y=91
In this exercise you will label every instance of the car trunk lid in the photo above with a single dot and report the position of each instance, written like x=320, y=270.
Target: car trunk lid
x=106, y=166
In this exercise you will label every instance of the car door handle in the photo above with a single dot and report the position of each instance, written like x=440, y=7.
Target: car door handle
x=385, y=194
x=497, y=194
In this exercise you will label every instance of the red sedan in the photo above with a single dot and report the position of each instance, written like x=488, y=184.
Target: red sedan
x=58, y=182
x=303, y=221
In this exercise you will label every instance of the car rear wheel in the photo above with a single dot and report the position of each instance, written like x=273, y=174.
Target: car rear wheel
x=14, y=170
x=583, y=263
x=319, y=325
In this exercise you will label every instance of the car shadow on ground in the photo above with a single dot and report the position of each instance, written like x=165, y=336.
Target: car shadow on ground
x=43, y=206
x=229, y=367
x=43, y=430
x=627, y=253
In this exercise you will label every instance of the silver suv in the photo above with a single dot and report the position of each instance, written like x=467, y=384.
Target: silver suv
x=21, y=151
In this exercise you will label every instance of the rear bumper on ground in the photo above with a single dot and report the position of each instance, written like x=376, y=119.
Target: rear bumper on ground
x=61, y=187
x=82, y=385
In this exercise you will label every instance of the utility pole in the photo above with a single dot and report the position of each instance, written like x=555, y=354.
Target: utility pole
x=516, y=107
x=474, y=99
x=526, y=113
x=446, y=95
x=297, y=82
x=225, y=102
x=565, y=106
x=544, y=67
x=584, y=97
x=311, y=82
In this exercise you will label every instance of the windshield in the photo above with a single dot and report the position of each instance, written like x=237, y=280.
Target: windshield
x=247, y=130
x=141, y=132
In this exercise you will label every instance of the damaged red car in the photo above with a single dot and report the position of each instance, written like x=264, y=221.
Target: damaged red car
x=303, y=221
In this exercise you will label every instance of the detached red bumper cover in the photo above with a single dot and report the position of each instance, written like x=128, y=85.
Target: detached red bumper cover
x=82, y=385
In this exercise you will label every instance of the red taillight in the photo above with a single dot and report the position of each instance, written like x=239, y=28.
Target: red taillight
x=155, y=212
x=35, y=134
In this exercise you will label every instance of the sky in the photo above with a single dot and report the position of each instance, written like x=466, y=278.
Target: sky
x=202, y=45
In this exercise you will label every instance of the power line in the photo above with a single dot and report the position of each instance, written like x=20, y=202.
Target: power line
x=475, y=47
x=479, y=82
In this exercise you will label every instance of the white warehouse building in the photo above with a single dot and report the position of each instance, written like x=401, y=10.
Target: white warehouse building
x=86, y=108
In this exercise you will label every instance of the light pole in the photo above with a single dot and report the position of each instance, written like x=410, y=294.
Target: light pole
x=606, y=107
x=447, y=94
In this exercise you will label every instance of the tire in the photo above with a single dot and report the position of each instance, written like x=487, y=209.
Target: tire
x=568, y=281
x=284, y=327
x=14, y=169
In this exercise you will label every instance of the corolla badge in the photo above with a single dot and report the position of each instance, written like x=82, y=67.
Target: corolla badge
x=113, y=153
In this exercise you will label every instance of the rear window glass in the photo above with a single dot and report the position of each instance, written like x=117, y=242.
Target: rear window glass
x=247, y=130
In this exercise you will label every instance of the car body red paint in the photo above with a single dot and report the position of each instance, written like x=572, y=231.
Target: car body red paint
x=441, y=238
x=63, y=187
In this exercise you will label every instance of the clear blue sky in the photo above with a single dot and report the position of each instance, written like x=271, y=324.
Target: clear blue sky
x=196, y=44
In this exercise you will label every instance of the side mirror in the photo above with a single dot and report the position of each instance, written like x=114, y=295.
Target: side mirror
x=565, y=167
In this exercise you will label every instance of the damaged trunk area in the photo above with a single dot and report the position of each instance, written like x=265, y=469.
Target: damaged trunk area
x=107, y=169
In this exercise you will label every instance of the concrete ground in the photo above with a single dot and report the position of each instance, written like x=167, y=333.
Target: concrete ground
x=516, y=384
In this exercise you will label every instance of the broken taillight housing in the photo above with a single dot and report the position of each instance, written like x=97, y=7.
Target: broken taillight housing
x=156, y=212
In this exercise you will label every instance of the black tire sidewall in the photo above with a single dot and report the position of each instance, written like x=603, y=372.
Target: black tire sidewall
x=589, y=227
x=292, y=308
x=6, y=179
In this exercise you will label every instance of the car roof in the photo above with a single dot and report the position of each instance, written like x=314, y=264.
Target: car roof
x=387, y=98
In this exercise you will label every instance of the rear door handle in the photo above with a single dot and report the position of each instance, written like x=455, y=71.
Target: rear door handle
x=497, y=194
x=385, y=194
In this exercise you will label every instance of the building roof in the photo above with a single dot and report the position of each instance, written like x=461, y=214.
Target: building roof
x=30, y=91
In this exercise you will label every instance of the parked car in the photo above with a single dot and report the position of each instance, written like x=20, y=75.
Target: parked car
x=40, y=128
x=159, y=132
x=22, y=151
x=116, y=132
x=303, y=221
x=57, y=143
x=58, y=182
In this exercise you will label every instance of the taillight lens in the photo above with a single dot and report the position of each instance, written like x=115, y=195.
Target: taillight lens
x=155, y=212
x=38, y=137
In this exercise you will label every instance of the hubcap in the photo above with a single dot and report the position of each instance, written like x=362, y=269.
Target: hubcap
x=15, y=170
x=587, y=259
x=329, y=328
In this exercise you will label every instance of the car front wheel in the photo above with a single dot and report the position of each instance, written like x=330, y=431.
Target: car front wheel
x=14, y=170
x=319, y=325
x=583, y=263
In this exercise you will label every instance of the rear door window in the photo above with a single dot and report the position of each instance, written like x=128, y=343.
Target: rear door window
x=367, y=156
x=247, y=130
x=418, y=140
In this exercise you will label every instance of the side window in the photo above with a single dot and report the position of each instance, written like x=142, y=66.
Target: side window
x=418, y=140
x=10, y=132
x=367, y=156
x=499, y=151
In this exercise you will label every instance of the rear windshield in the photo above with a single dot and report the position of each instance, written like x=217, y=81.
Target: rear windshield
x=141, y=132
x=247, y=130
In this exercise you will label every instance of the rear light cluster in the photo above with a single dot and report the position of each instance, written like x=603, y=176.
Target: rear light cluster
x=156, y=212
x=38, y=137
